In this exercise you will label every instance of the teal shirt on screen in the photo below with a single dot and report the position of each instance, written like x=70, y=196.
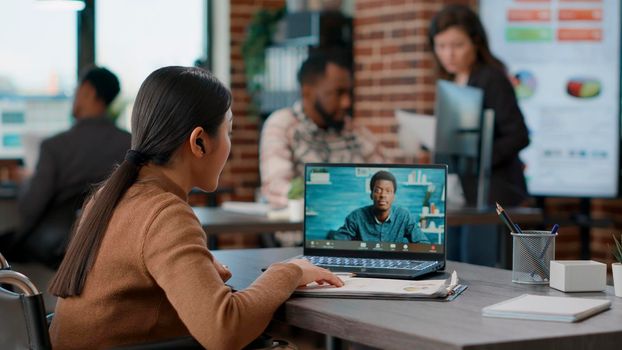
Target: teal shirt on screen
x=362, y=225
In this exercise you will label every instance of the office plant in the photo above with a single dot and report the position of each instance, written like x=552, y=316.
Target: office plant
x=296, y=189
x=296, y=199
x=258, y=37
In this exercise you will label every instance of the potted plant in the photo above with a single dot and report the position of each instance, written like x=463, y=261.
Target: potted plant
x=259, y=36
x=295, y=198
x=616, y=267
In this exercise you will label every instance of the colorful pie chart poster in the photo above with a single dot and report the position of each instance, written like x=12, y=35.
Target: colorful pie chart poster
x=563, y=58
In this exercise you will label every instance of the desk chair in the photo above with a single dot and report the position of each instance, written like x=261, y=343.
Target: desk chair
x=26, y=327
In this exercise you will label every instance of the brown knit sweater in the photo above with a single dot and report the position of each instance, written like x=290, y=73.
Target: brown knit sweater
x=154, y=278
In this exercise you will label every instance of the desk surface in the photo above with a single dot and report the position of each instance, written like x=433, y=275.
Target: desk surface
x=435, y=325
x=218, y=220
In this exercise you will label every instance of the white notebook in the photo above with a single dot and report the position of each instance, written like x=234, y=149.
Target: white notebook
x=546, y=308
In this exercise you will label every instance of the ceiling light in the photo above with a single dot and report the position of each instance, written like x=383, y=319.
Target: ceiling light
x=64, y=5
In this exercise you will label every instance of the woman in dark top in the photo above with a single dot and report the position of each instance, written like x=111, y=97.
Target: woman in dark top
x=461, y=51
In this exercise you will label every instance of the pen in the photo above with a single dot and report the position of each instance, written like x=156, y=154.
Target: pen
x=506, y=219
x=554, y=229
x=547, y=244
x=548, y=241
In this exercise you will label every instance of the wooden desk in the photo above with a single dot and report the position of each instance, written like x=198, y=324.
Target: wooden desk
x=435, y=325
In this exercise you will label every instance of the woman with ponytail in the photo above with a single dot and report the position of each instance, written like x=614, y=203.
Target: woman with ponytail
x=137, y=268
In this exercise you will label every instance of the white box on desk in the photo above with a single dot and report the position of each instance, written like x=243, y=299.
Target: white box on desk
x=578, y=275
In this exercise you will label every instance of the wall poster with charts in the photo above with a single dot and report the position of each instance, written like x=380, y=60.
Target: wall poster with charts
x=564, y=59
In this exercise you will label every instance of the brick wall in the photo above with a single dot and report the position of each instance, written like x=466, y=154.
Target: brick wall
x=240, y=177
x=394, y=68
x=242, y=170
x=606, y=217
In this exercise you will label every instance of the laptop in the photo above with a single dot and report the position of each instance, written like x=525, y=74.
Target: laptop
x=376, y=220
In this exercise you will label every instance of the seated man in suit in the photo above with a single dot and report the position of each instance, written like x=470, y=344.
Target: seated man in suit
x=316, y=129
x=69, y=163
x=381, y=222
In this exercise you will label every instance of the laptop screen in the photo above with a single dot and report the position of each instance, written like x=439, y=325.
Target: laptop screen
x=375, y=208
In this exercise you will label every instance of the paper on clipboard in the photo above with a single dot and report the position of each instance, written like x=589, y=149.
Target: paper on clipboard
x=415, y=130
x=358, y=287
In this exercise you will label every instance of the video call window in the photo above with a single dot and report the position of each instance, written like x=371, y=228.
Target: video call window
x=341, y=204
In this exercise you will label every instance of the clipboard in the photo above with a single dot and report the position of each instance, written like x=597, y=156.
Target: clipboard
x=387, y=289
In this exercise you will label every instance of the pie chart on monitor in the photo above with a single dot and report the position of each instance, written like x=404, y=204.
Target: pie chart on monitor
x=525, y=84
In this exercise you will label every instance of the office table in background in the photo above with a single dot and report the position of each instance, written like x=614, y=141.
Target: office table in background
x=218, y=221
x=472, y=216
x=390, y=324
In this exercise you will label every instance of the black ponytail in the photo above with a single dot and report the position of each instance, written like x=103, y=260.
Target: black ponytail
x=171, y=102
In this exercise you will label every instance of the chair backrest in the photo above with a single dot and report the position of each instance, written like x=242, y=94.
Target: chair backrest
x=23, y=323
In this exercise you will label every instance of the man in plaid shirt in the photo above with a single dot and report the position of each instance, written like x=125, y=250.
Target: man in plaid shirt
x=318, y=128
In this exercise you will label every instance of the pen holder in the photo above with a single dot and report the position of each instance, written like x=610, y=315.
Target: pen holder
x=531, y=256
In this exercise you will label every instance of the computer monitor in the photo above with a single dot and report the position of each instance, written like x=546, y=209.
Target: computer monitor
x=464, y=138
x=26, y=120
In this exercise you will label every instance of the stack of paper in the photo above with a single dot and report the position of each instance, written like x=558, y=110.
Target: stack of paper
x=545, y=308
x=379, y=288
x=414, y=131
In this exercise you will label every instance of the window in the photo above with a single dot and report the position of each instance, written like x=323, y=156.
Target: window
x=38, y=50
x=37, y=74
x=133, y=38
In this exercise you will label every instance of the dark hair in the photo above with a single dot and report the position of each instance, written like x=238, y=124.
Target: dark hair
x=106, y=84
x=382, y=175
x=171, y=102
x=466, y=19
x=315, y=65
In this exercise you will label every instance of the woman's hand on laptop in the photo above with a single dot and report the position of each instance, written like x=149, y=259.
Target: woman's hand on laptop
x=312, y=273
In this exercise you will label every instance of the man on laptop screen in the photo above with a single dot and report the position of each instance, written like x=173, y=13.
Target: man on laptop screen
x=380, y=221
x=402, y=230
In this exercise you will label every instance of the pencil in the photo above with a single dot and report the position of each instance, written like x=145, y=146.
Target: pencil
x=506, y=219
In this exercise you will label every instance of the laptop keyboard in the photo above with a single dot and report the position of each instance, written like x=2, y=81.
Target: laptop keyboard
x=328, y=261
